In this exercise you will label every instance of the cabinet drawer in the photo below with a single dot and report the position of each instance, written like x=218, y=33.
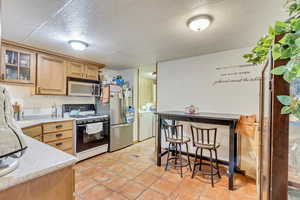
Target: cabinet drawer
x=33, y=131
x=62, y=144
x=39, y=138
x=57, y=126
x=50, y=137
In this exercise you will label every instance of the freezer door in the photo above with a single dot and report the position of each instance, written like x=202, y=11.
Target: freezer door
x=120, y=136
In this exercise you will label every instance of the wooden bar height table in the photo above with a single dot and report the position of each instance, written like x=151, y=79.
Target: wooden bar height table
x=209, y=118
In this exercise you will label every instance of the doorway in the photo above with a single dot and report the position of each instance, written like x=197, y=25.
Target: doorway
x=146, y=102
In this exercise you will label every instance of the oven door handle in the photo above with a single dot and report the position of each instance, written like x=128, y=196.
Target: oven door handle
x=81, y=125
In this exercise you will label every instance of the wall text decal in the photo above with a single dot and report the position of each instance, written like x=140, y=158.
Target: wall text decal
x=236, y=74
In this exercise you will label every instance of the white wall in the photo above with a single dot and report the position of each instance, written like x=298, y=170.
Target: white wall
x=191, y=81
x=41, y=104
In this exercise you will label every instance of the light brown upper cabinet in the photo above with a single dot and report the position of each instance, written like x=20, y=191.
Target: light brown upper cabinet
x=84, y=71
x=76, y=70
x=18, y=65
x=91, y=72
x=51, y=75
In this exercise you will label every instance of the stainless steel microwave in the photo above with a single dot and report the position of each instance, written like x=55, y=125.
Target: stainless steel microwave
x=83, y=89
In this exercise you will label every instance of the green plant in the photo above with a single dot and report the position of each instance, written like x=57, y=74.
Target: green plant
x=287, y=48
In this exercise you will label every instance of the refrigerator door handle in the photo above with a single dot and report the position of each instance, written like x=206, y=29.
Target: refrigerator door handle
x=122, y=109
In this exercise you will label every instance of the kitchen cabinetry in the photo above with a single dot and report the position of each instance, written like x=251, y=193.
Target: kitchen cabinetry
x=18, y=65
x=91, y=72
x=76, y=70
x=56, y=134
x=51, y=75
x=48, y=71
x=59, y=135
x=84, y=71
x=59, y=184
x=34, y=132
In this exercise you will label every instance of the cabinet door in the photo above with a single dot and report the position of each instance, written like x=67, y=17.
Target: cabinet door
x=76, y=70
x=18, y=65
x=91, y=72
x=51, y=75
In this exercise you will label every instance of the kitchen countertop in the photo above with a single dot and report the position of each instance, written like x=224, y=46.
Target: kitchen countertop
x=39, y=159
x=33, y=122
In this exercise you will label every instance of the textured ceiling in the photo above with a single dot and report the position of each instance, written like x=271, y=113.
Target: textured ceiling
x=127, y=33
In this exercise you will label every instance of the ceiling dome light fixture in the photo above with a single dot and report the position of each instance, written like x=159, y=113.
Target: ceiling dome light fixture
x=78, y=45
x=199, y=23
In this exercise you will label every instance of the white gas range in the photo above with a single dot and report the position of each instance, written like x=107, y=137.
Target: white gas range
x=91, y=131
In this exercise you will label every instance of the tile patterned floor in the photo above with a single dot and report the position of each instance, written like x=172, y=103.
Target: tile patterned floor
x=131, y=174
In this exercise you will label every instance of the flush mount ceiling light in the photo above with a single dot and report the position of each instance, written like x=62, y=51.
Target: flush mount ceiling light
x=78, y=45
x=199, y=23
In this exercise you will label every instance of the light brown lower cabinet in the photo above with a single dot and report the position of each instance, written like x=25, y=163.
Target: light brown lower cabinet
x=58, y=185
x=63, y=145
x=57, y=126
x=34, y=132
x=56, y=134
x=60, y=135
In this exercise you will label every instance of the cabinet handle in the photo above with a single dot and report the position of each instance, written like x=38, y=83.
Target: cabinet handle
x=59, y=135
x=59, y=126
x=38, y=89
x=59, y=144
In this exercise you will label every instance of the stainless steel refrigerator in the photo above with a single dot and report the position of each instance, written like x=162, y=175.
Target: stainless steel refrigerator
x=121, y=131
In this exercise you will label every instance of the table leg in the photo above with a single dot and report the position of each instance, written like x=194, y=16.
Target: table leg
x=235, y=149
x=232, y=155
x=158, y=142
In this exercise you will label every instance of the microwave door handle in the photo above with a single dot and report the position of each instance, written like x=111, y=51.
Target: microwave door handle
x=98, y=90
x=93, y=89
x=123, y=108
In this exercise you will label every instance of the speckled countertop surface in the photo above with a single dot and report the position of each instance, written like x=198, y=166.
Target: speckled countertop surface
x=32, y=122
x=40, y=159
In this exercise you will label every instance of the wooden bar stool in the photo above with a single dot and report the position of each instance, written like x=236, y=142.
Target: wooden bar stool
x=174, y=135
x=205, y=139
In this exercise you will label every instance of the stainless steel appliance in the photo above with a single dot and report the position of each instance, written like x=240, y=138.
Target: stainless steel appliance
x=91, y=135
x=79, y=87
x=121, y=128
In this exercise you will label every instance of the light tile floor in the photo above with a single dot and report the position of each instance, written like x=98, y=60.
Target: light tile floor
x=131, y=173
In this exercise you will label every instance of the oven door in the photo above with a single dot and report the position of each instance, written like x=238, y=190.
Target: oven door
x=85, y=141
x=80, y=89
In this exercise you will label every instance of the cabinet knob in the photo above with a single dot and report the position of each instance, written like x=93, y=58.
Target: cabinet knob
x=59, y=126
x=38, y=89
x=59, y=144
x=59, y=135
